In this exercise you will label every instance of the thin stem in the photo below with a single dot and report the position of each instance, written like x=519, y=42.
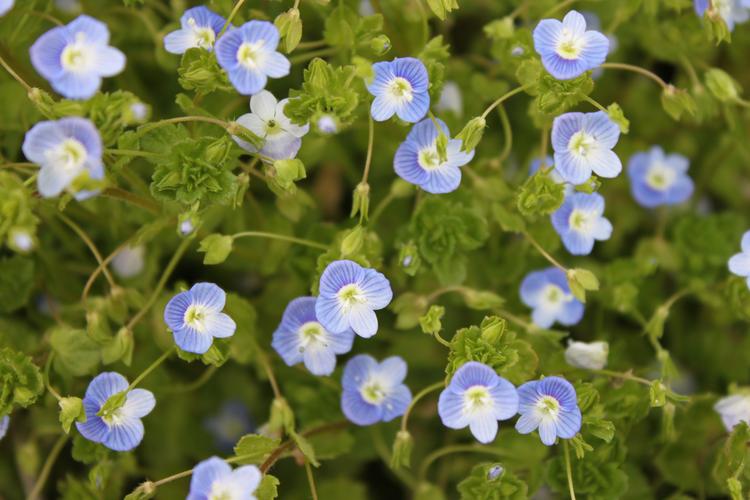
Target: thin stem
x=92, y=279
x=45, y=16
x=508, y=133
x=313, y=54
x=315, y=44
x=593, y=102
x=441, y=340
x=442, y=291
x=370, y=142
x=82, y=234
x=311, y=480
x=281, y=237
x=557, y=7
x=15, y=75
x=133, y=199
x=271, y=377
x=457, y=448
x=544, y=253
x=47, y=467
x=529, y=327
x=47, y=383
x=196, y=384
x=420, y=395
x=569, y=471
x=181, y=119
x=131, y=152
x=500, y=100
x=636, y=69
x=296, y=4
x=145, y=373
x=279, y=451
x=622, y=376
x=234, y=12
x=543, y=145
x=381, y=207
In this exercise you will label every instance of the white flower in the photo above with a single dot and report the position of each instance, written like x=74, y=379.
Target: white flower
x=129, y=261
x=734, y=409
x=587, y=355
x=451, y=99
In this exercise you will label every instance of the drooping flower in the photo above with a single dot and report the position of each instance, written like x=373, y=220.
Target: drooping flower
x=547, y=292
x=129, y=261
x=659, y=179
x=282, y=138
x=214, y=479
x=195, y=317
x=374, y=392
x=734, y=409
x=120, y=429
x=349, y=296
x=587, y=355
x=66, y=150
x=583, y=144
x=229, y=424
x=301, y=338
x=5, y=6
x=477, y=397
x=451, y=99
x=248, y=54
x=199, y=28
x=551, y=406
x=566, y=48
x=739, y=264
x=579, y=221
x=74, y=58
x=4, y=424
x=731, y=11
x=417, y=159
x=400, y=88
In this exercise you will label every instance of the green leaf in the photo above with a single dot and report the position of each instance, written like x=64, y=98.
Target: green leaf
x=430, y=322
x=326, y=90
x=540, y=195
x=199, y=71
x=287, y=172
x=491, y=481
x=677, y=102
x=254, y=448
x=268, y=489
x=75, y=352
x=21, y=381
x=71, y=410
x=16, y=282
x=615, y=113
x=482, y=300
x=471, y=134
x=217, y=248
x=305, y=447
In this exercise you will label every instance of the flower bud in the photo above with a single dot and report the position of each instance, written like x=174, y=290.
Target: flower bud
x=380, y=44
x=402, y=447
x=587, y=355
x=361, y=202
x=472, y=133
x=721, y=85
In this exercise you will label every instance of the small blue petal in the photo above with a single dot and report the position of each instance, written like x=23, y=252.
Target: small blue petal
x=204, y=475
x=396, y=402
x=471, y=374
x=357, y=410
x=357, y=370
x=451, y=409
x=125, y=435
x=190, y=340
x=484, y=428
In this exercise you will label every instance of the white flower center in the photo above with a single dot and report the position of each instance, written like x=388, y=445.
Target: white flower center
x=223, y=491
x=581, y=144
x=250, y=55
x=204, y=37
x=569, y=45
x=428, y=158
x=78, y=56
x=660, y=177
x=553, y=297
x=70, y=155
x=581, y=221
x=400, y=90
x=373, y=392
x=351, y=295
x=477, y=399
x=311, y=333
x=725, y=8
x=548, y=407
x=195, y=317
x=273, y=127
x=114, y=417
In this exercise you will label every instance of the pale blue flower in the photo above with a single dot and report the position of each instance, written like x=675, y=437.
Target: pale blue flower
x=248, y=54
x=583, y=144
x=195, y=317
x=199, y=28
x=580, y=221
x=417, y=160
x=74, y=58
x=566, y=48
x=400, y=87
x=734, y=409
x=731, y=11
x=739, y=264
x=547, y=292
x=551, y=406
x=301, y=338
x=65, y=149
x=214, y=479
x=5, y=6
x=477, y=397
x=122, y=429
x=659, y=179
x=4, y=423
x=349, y=296
x=130, y=261
x=374, y=392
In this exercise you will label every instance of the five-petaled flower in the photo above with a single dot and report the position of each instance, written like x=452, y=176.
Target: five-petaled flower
x=75, y=57
x=547, y=292
x=550, y=405
x=731, y=11
x=195, y=317
x=66, y=150
x=400, y=87
x=301, y=338
x=477, y=397
x=583, y=144
x=214, y=479
x=579, y=221
x=739, y=264
x=418, y=161
x=734, y=409
x=374, y=392
x=659, y=179
x=248, y=54
x=349, y=296
x=282, y=138
x=566, y=48
x=199, y=28
x=120, y=429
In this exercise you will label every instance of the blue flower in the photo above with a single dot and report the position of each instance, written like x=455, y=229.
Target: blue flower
x=731, y=11
x=553, y=173
x=551, y=406
x=301, y=338
x=75, y=57
x=374, y=392
x=195, y=317
x=229, y=424
x=734, y=409
x=248, y=55
x=4, y=423
x=417, y=160
x=199, y=28
x=739, y=264
x=579, y=222
x=400, y=87
x=547, y=292
x=583, y=144
x=122, y=429
x=349, y=296
x=213, y=478
x=659, y=179
x=66, y=150
x=477, y=397
x=5, y=6
x=566, y=48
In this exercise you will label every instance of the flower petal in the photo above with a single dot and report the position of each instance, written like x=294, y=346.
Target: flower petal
x=209, y=295
x=204, y=475
x=125, y=435
x=395, y=404
x=263, y=105
x=139, y=403
x=220, y=325
x=190, y=340
x=363, y=320
x=357, y=370
x=484, y=427
x=471, y=374
x=357, y=410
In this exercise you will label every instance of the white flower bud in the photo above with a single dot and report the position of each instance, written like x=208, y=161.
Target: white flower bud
x=587, y=355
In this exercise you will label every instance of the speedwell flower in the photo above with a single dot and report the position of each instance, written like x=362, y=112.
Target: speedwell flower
x=199, y=28
x=566, y=48
x=547, y=292
x=195, y=317
x=213, y=478
x=349, y=296
x=282, y=138
x=659, y=179
x=739, y=264
x=5, y=6
x=400, y=88
x=301, y=338
x=248, y=54
x=4, y=423
x=731, y=11
x=75, y=57
x=579, y=221
x=121, y=429
x=550, y=405
x=65, y=149
x=734, y=409
x=374, y=392
x=587, y=355
x=583, y=144
x=417, y=159
x=477, y=397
